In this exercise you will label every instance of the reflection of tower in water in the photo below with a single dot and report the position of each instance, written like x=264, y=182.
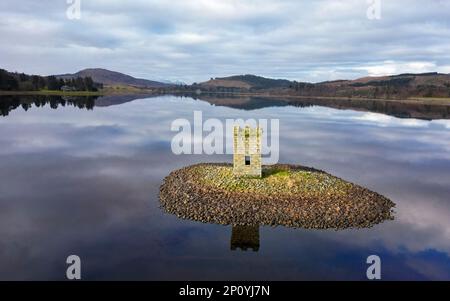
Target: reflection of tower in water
x=245, y=237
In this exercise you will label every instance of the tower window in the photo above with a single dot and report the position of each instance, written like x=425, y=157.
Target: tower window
x=247, y=160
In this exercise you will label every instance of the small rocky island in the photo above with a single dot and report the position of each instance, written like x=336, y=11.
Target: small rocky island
x=285, y=195
x=249, y=194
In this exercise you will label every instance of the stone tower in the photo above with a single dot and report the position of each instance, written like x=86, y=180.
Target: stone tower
x=247, y=151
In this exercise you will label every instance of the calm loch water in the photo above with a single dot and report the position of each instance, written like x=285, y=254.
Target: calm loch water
x=83, y=177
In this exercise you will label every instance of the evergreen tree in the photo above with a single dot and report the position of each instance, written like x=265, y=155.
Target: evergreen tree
x=52, y=83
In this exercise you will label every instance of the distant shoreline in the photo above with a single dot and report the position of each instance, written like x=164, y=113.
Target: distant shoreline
x=56, y=93
x=109, y=92
x=410, y=100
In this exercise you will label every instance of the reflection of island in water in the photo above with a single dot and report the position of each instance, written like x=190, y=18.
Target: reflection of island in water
x=388, y=107
x=244, y=238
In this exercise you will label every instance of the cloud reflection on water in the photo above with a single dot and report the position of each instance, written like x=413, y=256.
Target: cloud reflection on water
x=86, y=182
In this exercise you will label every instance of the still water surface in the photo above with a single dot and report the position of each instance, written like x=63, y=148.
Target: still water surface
x=86, y=182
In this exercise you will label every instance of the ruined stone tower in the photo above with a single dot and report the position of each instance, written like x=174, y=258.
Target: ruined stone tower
x=247, y=151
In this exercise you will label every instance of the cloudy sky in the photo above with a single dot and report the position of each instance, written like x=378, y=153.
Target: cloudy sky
x=193, y=40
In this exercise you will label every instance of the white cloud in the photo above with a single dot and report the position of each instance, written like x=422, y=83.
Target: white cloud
x=198, y=39
x=392, y=67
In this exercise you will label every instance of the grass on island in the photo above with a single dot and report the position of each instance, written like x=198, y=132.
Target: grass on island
x=275, y=180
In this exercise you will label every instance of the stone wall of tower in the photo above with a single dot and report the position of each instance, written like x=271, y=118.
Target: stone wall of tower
x=247, y=143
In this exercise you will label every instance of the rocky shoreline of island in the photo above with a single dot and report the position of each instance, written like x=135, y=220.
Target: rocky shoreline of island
x=287, y=195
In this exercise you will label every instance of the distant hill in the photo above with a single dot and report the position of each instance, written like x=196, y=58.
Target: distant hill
x=112, y=78
x=247, y=82
x=395, y=86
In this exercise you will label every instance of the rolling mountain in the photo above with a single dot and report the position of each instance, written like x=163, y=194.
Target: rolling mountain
x=112, y=78
x=248, y=81
x=394, y=86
